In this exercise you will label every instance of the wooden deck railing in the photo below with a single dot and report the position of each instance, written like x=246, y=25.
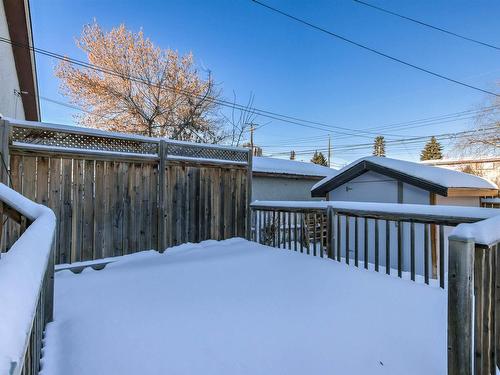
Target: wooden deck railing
x=26, y=283
x=417, y=242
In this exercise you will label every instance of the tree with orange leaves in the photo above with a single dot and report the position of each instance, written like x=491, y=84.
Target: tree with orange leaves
x=133, y=86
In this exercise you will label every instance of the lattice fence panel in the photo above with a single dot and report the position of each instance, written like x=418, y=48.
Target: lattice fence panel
x=49, y=137
x=77, y=140
x=204, y=152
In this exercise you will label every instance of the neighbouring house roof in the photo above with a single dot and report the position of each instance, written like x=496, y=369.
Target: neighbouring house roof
x=265, y=166
x=442, y=181
x=18, y=17
x=478, y=160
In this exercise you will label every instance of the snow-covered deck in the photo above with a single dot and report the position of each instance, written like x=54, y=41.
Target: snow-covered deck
x=237, y=307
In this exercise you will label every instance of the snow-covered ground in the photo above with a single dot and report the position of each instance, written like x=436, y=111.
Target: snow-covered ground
x=236, y=307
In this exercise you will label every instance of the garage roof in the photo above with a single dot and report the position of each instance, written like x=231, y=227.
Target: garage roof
x=438, y=180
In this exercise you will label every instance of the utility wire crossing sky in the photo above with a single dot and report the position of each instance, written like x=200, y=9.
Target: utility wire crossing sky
x=375, y=51
x=306, y=86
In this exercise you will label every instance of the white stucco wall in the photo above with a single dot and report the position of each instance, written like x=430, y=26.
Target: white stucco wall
x=8, y=75
x=282, y=189
x=374, y=187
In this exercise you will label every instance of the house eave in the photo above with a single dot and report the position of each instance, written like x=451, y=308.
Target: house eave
x=19, y=25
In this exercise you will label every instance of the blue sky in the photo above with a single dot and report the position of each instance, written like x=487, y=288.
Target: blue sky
x=300, y=72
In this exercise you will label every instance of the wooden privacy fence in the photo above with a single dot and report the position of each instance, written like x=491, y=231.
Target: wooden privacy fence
x=395, y=239
x=115, y=194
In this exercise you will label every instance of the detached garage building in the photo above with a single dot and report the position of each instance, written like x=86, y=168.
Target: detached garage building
x=385, y=180
x=380, y=179
x=285, y=180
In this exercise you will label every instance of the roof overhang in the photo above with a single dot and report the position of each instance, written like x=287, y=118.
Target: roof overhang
x=19, y=24
x=364, y=166
x=287, y=175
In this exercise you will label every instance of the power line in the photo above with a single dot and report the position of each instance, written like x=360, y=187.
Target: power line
x=419, y=139
x=400, y=142
x=269, y=114
x=427, y=25
x=343, y=148
x=264, y=113
x=432, y=121
x=377, y=52
x=64, y=104
x=225, y=103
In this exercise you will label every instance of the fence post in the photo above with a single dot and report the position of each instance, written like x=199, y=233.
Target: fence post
x=484, y=310
x=460, y=267
x=162, y=243
x=4, y=151
x=249, y=195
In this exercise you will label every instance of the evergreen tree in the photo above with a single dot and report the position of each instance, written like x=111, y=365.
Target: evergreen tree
x=292, y=155
x=432, y=150
x=379, y=146
x=319, y=158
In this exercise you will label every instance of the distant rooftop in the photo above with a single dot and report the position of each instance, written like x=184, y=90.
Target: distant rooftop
x=269, y=165
x=481, y=159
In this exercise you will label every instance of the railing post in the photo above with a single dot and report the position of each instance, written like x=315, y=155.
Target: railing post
x=460, y=268
x=484, y=310
x=330, y=221
x=253, y=217
x=162, y=243
x=49, y=296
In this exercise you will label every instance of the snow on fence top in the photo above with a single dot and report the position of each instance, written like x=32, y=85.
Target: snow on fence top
x=22, y=271
x=441, y=176
x=291, y=167
x=486, y=232
x=30, y=133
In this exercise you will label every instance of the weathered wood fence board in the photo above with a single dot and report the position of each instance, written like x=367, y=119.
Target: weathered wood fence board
x=117, y=194
x=203, y=202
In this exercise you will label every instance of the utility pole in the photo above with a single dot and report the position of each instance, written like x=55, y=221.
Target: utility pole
x=329, y=151
x=251, y=139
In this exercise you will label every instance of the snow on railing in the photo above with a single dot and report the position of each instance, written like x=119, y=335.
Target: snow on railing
x=26, y=284
x=411, y=240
